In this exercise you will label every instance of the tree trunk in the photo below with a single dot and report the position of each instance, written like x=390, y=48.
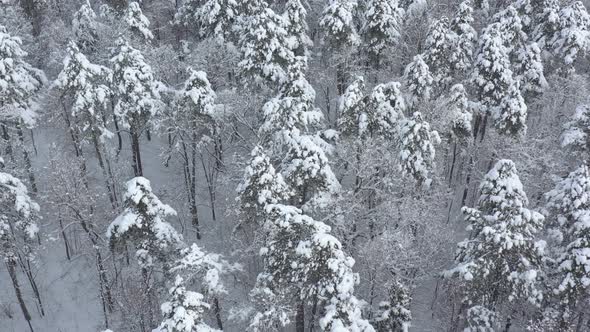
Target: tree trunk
x=217, y=310
x=11, y=265
x=137, y=166
x=107, y=173
x=27, y=159
x=300, y=318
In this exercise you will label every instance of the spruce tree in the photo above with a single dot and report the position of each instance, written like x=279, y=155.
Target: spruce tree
x=501, y=261
x=417, y=148
x=437, y=50
x=418, y=79
x=85, y=27
x=463, y=37
x=295, y=18
x=394, y=314
x=461, y=116
x=137, y=22
x=381, y=28
x=137, y=93
x=572, y=38
x=338, y=23
x=264, y=45
x=213, y=18
x=529, y=70
x=576, y=131
x=18, y=230
x=510, y=116
x=570, y=206
x=353, y=109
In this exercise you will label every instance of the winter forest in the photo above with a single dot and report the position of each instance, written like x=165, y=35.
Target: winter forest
x=294, y=165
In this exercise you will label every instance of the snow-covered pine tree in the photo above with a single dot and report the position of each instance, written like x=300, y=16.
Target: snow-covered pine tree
x=137, y=22
x=461, y=116
x=529, y=70
x=85, y=86
x=137, y=93
x=373, y=115
x=292, y=117
x=260, y=186
x=381, y=27
x=417, y=148
x=570, y=206
x=511, y=28
x=338, y=24
x=213, y=18
x=463, y=37
x=545, y=22
x=576, y=132
x=184, y=311
x=302, y=260
x=510, y=116
x=394, y=314
x=264, y=44
x=481, y=319
x=18, y=230
x=143, y=224
x=492, y=76
x=19, y=83
x=418, y=79
x=571, y=41
x=352, y=109
x=190, y=125
x=386, y=107
x=437, y=50
x=85, y=27
x=501, y=261
x=295, y=18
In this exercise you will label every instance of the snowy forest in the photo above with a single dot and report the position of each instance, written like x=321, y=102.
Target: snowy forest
x=294, y=165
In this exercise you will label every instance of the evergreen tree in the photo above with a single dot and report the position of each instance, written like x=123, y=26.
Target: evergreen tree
x=191, y=125
x=353, y=109
x=137, y=22
x=338, y=23
x=575, y=134
x=546, y=22
x=481, y=319
x=461, y=116
x=511, y=28
x=501, y=261
x=261, y=185
x=138, y=96
x=417, y=148
x=214, y=18
x=463, y=38
x=529, y=70
x=85, y=27
x=419, y=79
x=184, y=311
x=381, y=28
x=437, y=49
x=86, y=85
x=572, y=38
x=19, y=82
x=142, y=223
x=18, y=230
x=510, y=115
x=394, y=314
x=387, y=106
x=492, y=76
x=295, y=18
x=570, y=204
x=264, y=44
x=303, y=260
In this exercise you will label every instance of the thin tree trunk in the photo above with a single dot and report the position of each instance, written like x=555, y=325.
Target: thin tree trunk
x=106, y=173
x=11, y=265
x=6, y=138
x=217, y=310
x=300, y=318
x=137, y=166
x=27, y=159
x=63, y=234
